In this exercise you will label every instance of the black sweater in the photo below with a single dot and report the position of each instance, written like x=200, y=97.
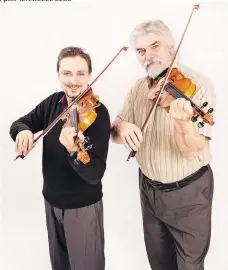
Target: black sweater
x=67, y=185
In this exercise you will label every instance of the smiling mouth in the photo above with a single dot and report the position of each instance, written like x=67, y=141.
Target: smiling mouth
x=74, y=88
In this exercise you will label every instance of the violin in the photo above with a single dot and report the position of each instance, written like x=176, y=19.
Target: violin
x=81, y=116
x=177, y=86
x=85, y=97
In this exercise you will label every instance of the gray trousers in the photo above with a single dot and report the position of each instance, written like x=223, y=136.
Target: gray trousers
x=177, y=223
x=76, y=237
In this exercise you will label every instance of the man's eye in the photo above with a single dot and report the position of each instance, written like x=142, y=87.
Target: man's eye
x=141, y=52
x=155, y=46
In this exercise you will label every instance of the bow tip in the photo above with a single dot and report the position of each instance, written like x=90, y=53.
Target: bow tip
x=196, y=7
x=125, y=48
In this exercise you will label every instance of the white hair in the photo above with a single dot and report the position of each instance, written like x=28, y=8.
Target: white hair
x=152, y=26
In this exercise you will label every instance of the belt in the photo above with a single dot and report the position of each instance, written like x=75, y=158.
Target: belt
x=179, y=184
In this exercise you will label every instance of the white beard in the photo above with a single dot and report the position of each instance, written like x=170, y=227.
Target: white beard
x=155, y=72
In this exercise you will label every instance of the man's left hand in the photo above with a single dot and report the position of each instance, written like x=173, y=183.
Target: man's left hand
x=181, y=109
x=67, y=138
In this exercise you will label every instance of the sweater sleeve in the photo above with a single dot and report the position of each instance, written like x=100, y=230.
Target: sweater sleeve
x=33, y=121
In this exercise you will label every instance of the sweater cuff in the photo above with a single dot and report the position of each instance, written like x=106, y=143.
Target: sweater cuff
x=72, y=156
x=23, y=127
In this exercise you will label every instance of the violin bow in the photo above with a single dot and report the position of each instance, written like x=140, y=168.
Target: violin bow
x=133, y=153
x=54, y=122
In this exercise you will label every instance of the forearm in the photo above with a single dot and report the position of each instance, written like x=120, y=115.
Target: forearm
x=92, y=172
x=32, y=121
x=189, y=142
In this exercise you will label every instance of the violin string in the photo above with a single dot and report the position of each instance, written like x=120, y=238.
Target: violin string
x=73, y=120
x=75, y=123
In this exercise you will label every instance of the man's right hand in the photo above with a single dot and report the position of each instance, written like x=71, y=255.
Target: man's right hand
x=24, y=142
x=130, y=135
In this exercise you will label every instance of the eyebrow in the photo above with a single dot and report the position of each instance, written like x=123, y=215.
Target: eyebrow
x=154, y=43
x=65, y=70
x=82, y=71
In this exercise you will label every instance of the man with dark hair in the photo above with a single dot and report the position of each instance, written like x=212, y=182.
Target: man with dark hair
x=72, y=190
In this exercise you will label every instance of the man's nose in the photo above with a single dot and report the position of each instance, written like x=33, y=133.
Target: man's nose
x=149, y=54
x=74, y=80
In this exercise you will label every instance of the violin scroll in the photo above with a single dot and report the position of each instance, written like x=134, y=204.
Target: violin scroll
x=207, y=117
x=82, y=154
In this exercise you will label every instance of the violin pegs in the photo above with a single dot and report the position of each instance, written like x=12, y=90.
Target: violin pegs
x=210, y=110
x=204, y=105
x=200, y=124
x=194, y=118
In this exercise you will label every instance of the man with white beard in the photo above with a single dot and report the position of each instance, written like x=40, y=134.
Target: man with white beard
x=176, y=180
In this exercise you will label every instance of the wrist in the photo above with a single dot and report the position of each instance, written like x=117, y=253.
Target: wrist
x=115, y=131
x=72, y=149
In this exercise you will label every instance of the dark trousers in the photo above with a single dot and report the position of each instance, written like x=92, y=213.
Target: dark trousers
x=76, y=237
x=177, y=222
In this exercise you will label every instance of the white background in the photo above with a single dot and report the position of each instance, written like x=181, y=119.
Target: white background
x=32, y=34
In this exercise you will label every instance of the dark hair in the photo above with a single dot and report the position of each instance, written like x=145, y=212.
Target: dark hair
x=72, y=52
